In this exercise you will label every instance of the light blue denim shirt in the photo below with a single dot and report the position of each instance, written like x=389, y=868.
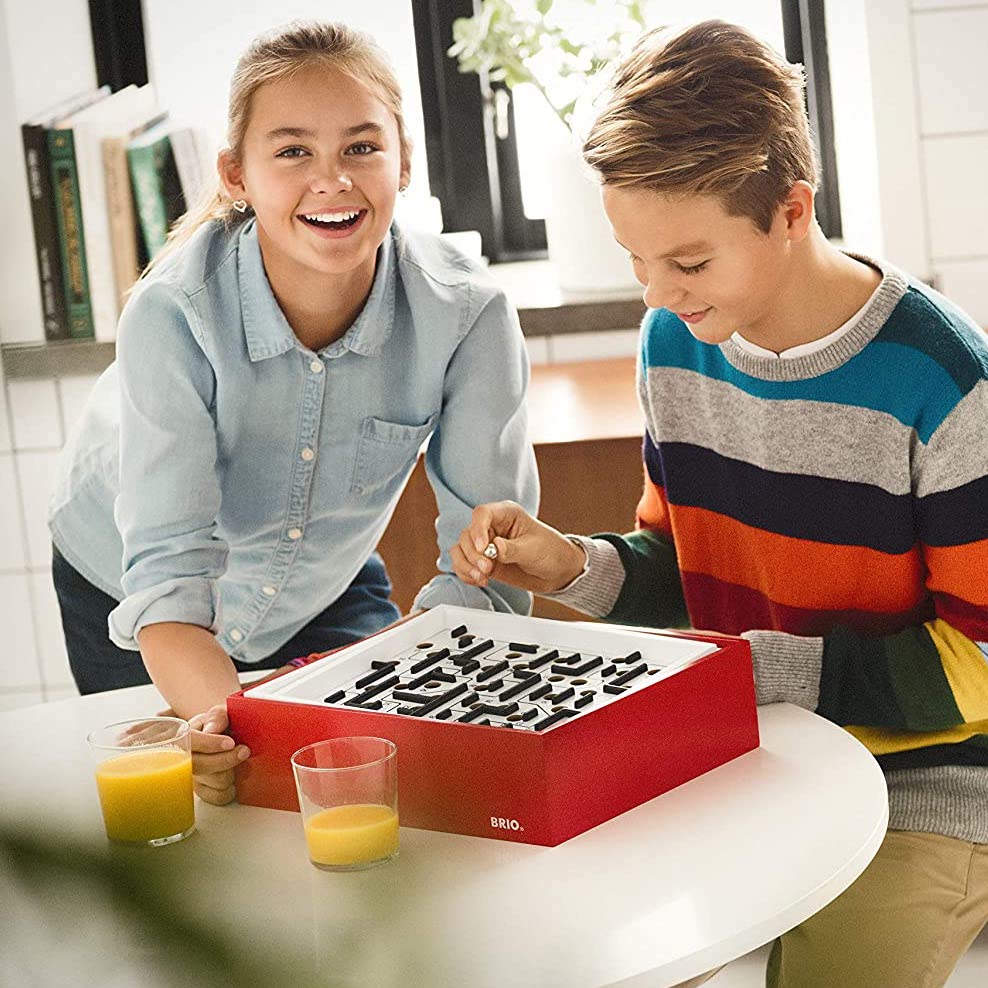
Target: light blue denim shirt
x=224, y=475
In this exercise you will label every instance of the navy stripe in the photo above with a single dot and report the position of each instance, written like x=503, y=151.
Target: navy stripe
x=940, y=333
x=837, y=512
x=954, y=517
x=653, y=460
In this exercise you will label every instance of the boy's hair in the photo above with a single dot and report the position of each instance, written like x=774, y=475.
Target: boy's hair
x=280, y=54
x=709, y=111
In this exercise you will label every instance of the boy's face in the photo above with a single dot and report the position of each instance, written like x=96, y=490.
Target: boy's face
x=719, y=273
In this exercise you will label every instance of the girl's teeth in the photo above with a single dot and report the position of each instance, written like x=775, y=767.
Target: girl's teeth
x=331, y=217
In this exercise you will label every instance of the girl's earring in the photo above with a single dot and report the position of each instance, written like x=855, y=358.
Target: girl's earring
x=402, y=189
x=240, y=205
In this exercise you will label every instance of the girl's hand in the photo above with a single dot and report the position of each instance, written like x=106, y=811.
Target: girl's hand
x=530, y=554
x=214, y=756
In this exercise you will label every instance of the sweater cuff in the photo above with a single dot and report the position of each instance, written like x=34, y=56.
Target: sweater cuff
x=595, y=591
x=787, y=668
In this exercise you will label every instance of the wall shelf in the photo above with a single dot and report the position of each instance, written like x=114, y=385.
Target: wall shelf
x=542, y=311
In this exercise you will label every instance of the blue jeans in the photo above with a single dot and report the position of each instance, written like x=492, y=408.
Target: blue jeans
x=97, y=664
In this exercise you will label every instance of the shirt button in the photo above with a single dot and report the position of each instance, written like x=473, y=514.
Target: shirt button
x=308, y=454
x=237, y=635
x=316, y=367
x=268, y=591
x=295, y=533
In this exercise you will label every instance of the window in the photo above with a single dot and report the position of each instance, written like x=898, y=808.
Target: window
x=483, y=141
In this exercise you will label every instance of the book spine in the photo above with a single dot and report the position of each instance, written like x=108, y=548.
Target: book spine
x=36, y=160
x=120, y=209
x=72, y=245
x=149, y=197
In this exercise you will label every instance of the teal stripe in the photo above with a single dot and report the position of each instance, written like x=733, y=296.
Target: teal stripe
x=893, y=378
x=929, y=323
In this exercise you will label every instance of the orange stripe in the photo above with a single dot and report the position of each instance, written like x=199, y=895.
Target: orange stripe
x=960, y=570
x=796, y=572
x=653, y=509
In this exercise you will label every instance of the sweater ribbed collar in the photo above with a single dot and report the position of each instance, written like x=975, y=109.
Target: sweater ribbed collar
x=886, y=297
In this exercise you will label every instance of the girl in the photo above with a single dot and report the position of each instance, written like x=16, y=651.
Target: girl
x=278, y=368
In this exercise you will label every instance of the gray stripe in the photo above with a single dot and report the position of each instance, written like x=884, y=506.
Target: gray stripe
x=957, y=452
x=945, y=799
x=811, y=438
x=886, y=298
x=596, y=591
x=787, y=668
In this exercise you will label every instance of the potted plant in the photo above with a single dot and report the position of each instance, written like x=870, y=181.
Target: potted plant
x=558, y=47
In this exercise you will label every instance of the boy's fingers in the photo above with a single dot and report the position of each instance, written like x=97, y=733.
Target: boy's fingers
x=218, y=797
x=216, y=780
x=220, y=761
x=210, y=743
x=480, y=527
x=461, y=565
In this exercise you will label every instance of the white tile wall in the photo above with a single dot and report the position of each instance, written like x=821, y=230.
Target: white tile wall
x=966, y=283
x=957, y=195
x=952, y=70
x=952, y=79
x=5, y=442
x=54, y=662
x=945, y=4
x=11, y=533
x=35, y=418
x=19, y=667
x=36, y=472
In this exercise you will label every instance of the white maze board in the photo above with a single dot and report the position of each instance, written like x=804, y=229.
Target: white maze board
x=491, y=670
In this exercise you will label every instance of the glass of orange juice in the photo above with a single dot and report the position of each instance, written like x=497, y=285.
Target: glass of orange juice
x=144, y=780
x=348, y=794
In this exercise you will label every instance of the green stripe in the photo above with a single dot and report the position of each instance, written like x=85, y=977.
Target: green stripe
x=895, y=682
x=855, y=686
x=920, y=682
x=652, y=594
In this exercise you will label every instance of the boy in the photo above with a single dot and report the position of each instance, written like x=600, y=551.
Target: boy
x=816, y=479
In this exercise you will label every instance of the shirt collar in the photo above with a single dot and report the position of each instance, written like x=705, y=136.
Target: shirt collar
x=266, y=329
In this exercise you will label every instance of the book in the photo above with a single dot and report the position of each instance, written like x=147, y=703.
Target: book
x=37, y=164
x=116, y=113
x=71, y=242
x=156, y=186
x=187, y=145
x=120, y=208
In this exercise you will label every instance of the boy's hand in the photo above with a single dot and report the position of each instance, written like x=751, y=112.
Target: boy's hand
x=214, y=755
x=530, y=554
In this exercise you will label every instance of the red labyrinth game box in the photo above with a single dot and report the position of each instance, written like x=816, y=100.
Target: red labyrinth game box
x=510, y=727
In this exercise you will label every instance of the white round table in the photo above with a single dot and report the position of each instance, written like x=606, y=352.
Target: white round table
x=668, y=890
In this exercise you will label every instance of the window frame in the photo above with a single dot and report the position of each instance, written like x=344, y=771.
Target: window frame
x=475, y=175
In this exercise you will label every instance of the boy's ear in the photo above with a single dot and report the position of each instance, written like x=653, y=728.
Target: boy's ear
x=799, y=210
x=231, y=174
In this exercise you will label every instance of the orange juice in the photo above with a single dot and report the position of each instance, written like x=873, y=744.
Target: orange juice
x=352, y=835
x=146, y=795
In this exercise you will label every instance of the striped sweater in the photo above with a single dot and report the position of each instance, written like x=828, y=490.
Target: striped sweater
x=833, y=508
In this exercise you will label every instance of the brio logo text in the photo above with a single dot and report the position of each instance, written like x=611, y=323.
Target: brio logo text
x=499, y=823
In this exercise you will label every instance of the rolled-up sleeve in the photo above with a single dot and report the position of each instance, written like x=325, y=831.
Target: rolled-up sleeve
x=169, y=490
x=480, y=450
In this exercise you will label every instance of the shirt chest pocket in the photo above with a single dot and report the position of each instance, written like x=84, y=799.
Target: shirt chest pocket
x=385, y=450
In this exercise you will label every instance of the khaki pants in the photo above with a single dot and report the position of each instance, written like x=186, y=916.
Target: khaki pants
x=903, y=924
